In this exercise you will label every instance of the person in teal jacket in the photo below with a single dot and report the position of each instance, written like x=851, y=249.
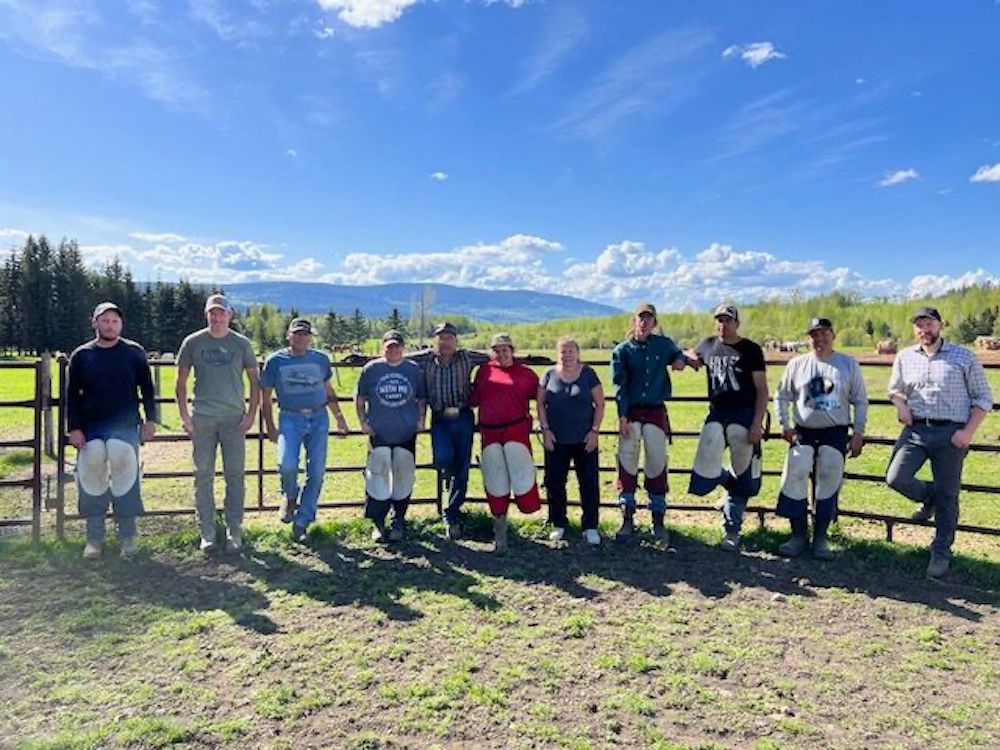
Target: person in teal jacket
x=641, y=377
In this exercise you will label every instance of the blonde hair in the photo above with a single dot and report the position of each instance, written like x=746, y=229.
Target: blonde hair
x=568, y=339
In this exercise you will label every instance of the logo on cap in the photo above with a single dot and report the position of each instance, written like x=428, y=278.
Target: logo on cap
x=727, y=310
x=817, y=324
x=300, y=325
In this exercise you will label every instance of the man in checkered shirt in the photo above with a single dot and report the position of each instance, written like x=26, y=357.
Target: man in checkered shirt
x=941, y=397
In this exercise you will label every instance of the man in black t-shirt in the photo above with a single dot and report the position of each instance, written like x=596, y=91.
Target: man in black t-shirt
x=105, y=380
x=737, y=392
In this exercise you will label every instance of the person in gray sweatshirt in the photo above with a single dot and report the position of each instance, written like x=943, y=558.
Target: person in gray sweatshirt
x=814, y=402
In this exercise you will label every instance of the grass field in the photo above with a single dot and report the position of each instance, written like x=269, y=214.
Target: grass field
x=345, y=644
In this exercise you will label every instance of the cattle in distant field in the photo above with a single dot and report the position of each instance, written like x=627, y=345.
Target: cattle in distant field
x=990, y=343
x=774, y=345
x=886, y=346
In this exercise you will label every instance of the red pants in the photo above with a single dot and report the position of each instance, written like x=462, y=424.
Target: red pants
x=520, y=432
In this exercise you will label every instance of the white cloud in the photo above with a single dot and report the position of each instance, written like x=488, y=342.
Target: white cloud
x=933, y=285
x=9, y=233
x=291, y=153
x=75, y=34
x=755, y=54
x=439, y=176
x=228, y=29
x=645, y=81
x=97, y=256
x=367, y=14
x=987, y=173
x=861, y=81
x=898, y=177
x=564, y=32
x=444, y=89
x=157, y=237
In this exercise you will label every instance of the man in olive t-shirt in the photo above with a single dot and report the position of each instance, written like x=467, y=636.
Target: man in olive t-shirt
x=219, y=356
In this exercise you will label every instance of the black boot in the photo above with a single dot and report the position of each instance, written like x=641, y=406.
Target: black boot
x=659, y=530
x=628, y=525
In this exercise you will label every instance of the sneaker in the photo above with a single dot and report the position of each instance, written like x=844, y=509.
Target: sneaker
x=92, y=551
x=592, y=537
x=207, y=546
x=557, y=534
x=730, y=542
x=924, y=513
x=378, y=531
x=234, y=542
x=794, y=547
x=821, y=549
x=499, y=534
x=397, y=532
x=938, y=566
x=287, y=510
x=129, y=545
x=299, y=534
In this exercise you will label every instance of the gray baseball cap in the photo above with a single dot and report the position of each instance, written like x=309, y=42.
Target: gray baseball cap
x=217, y=301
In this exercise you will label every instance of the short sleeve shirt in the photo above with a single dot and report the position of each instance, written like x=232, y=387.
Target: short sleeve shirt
x=730, y=369
x=218, y=365
x=391, y=393
x=298, y=381
x=569, y=407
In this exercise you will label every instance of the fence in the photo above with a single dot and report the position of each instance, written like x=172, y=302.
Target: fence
x=42, y=401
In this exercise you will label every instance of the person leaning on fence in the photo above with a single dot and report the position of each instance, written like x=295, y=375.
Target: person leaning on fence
x=640, y=372
x=447, y=372
x=107, y=376
x=390, y=400
x=941, y=396
x=738, y=399
x=570, y=411
x=814, y=401
x=300, y=378
x=503, y=390
x=219, y=357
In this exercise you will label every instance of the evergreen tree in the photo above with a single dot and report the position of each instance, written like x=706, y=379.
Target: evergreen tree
x=358, y=329
x=71, y=298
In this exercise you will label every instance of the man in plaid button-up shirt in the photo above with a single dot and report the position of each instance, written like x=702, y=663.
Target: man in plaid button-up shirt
x=941, y=397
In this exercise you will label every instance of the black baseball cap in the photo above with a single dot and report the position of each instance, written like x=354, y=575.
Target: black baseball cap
x=300, y=325
x=445, y=327
x=392, y=335
x=926, y=312
x=817, y=324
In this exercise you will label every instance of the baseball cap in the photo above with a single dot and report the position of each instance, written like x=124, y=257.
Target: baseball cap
x=392, y=335
x=926, y=312
x=816, y=324
x=217, y=301
x=502, y=339
x=445, y=327
x=645, y=307
x=300, y=325
x=727, y=310
x=104, y=307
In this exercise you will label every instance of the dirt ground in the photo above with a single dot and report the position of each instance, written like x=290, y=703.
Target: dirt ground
x=433, y=644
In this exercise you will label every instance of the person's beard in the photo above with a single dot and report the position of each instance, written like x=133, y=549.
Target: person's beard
x=104, y=337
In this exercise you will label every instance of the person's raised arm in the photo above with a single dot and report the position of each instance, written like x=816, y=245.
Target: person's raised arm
x=181, y=396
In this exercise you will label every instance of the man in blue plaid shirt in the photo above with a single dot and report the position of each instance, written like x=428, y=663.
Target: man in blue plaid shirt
x=941, y=397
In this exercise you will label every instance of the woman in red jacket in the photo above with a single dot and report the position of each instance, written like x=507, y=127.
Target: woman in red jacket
x=503, y=390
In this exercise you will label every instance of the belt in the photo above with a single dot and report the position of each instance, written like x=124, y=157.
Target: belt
x=303, y=412
x=935, y=422
x=503, y=425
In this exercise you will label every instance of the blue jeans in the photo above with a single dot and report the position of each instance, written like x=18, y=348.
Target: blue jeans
x=126, y=508
x=294, y=432
x=451, y=444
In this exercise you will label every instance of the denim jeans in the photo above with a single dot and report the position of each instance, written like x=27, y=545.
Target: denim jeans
x=97, y=530
x=451, y=444
x=294, y=432
x=125, y=508
x=914, y=447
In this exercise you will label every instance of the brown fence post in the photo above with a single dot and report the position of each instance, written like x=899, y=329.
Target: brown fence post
x=36, y=482
x=260, y=458
x=61, y=455
x=46, y=386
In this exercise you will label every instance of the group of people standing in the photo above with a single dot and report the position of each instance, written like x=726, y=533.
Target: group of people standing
x=939, y=389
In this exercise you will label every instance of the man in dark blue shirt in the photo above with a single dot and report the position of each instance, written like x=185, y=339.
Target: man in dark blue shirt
x=106, y=377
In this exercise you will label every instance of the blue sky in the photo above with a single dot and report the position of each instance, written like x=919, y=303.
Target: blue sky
x=682, y=152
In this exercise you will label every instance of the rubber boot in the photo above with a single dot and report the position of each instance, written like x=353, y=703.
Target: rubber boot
x=500, y=534
x=799, y=540
x=659, y=530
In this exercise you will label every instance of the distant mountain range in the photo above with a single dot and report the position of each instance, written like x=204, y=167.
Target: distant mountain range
x=378, y=301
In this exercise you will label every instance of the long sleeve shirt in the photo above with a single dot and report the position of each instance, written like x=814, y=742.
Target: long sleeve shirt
x=945, y=385
x=448, y=385
x=818, y=393
x=104, y=386
x=640, y=371
x=503, y=394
